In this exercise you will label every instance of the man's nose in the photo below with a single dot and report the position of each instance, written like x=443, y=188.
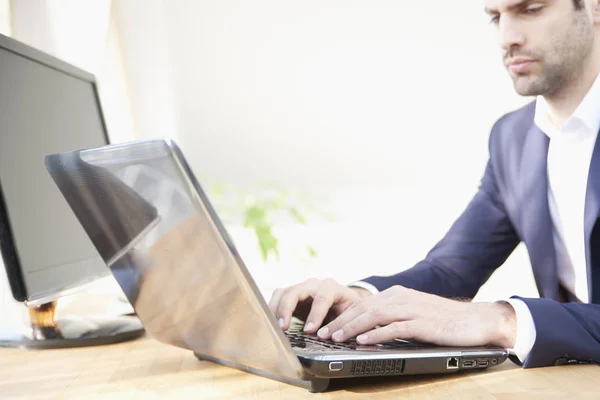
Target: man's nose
x=509, y=34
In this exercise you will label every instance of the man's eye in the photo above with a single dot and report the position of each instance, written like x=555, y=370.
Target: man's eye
x=533, y=10
x=495, y=19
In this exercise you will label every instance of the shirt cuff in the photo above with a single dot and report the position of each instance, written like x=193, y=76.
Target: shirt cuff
x=367, y=286
x=526, y=332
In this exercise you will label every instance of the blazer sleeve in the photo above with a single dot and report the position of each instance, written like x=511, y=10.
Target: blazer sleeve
x=475, y=246
x=566, y=333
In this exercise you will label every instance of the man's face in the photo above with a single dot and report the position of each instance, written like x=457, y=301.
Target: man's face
x=544, y=42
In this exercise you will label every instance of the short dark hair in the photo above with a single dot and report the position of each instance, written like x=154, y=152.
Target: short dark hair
x=578, y=4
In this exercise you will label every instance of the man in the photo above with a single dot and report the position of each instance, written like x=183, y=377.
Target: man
x=541, y=186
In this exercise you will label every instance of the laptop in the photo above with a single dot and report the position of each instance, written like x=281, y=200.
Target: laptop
x=156, y=230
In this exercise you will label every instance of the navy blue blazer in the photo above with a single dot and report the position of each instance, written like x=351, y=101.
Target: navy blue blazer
x=511, y=206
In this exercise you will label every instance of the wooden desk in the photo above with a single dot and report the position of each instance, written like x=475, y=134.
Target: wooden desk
x=146, y=369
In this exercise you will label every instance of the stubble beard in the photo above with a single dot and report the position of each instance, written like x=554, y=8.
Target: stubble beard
x=561, y=65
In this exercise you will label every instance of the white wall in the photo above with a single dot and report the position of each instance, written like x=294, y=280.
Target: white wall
x=337, y=93
x=147, y=66
x=67, y=29
x=5, y=23
x=329, y=94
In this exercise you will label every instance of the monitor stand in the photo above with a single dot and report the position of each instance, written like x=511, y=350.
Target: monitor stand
x=46, y=332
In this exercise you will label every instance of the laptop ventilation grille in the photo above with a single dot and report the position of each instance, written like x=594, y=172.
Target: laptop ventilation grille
x=377, y=367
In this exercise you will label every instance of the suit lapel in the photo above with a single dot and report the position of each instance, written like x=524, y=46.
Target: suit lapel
x=592, y=209
x=536, y=220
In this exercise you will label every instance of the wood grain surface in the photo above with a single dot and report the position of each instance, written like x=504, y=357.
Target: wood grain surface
x=147, y=369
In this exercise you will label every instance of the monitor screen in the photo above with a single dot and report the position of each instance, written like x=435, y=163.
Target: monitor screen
x=46, y=106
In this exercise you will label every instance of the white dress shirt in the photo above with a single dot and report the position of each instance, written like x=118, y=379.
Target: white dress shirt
x=569, y=158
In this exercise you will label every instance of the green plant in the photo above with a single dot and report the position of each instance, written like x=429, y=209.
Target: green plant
x=259, y=211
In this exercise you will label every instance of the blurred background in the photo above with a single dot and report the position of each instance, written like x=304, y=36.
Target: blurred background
x=336, y=139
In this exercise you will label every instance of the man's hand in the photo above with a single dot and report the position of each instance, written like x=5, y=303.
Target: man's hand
x=313, y=301
x=408, y=314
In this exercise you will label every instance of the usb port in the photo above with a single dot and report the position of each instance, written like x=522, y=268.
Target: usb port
x=483, y=363
x=468, y=363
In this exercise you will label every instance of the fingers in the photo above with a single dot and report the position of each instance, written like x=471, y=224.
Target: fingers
x=275, y=305
x=329, y=293
x=381, y=309
x=395, y=330
x=275, y=299
x=349, y=315
x=382, y=314
x=324, y=295
x=288, y=302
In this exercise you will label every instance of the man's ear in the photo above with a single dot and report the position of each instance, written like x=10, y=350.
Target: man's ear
x=596, y=11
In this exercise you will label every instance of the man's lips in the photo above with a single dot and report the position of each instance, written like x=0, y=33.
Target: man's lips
x=520, y=65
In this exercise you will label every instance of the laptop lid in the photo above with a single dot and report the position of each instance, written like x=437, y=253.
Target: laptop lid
x=155, y=228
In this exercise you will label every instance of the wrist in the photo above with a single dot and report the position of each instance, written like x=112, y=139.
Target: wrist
x=362, y=293
x=504, y=325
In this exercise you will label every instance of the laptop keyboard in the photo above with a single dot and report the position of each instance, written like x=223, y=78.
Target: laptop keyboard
x=302, y=340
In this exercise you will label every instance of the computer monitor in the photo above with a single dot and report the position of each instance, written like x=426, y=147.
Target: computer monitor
x=47, y=106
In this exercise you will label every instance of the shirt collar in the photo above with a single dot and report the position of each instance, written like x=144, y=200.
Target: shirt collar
x=587, y=113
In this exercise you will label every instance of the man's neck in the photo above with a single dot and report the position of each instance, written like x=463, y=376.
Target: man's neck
x=561, y=105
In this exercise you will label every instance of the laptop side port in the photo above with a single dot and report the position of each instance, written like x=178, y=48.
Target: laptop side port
x=483, y=363
x=452, y=363
x=469, y=363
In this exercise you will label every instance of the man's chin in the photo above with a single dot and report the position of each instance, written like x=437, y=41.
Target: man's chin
x=527, y=86
x=525, y=92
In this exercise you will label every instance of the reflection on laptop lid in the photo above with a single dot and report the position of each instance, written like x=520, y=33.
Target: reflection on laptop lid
x=113, y=214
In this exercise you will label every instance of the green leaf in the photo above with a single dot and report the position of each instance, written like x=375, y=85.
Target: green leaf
x=255, y=216
x=296, y=214
x=266, y=241
x=312, y=252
